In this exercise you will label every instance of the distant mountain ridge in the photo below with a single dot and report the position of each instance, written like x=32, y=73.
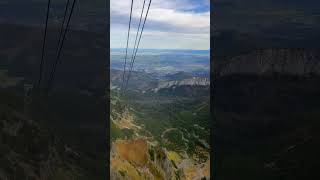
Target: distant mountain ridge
x=194, y=81
x=143, y=81
x=268, y=61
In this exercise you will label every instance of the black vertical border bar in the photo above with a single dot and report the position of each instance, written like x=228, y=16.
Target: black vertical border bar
x=107, y=90
x=213, y=148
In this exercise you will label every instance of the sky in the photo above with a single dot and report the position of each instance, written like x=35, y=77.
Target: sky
x=171, y=24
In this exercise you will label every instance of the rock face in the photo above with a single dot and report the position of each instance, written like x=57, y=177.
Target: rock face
x=137, y=160
x=269, y=61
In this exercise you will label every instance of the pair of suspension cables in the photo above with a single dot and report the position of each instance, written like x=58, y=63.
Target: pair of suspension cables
x=62, y=35
x=125, y=80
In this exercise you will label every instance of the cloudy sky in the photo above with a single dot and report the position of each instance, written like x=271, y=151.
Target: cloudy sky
x=171, y=24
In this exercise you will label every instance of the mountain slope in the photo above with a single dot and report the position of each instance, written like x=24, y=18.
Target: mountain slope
x=266, y=110
x=160, y=135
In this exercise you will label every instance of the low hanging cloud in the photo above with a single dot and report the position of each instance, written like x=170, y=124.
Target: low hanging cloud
x=177, y=21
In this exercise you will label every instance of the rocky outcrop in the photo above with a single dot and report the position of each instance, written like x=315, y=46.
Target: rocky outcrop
x=270, y=61
x=136, y=159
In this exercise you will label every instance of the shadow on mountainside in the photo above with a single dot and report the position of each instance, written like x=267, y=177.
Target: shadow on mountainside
x=60, y=135
x=267, y=122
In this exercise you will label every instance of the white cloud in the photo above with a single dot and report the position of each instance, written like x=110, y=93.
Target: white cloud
x=176, y=21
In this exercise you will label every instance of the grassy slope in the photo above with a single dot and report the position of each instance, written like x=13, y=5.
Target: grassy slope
x=158, y=113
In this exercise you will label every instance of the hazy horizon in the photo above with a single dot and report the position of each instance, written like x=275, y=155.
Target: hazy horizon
x=163, y=49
